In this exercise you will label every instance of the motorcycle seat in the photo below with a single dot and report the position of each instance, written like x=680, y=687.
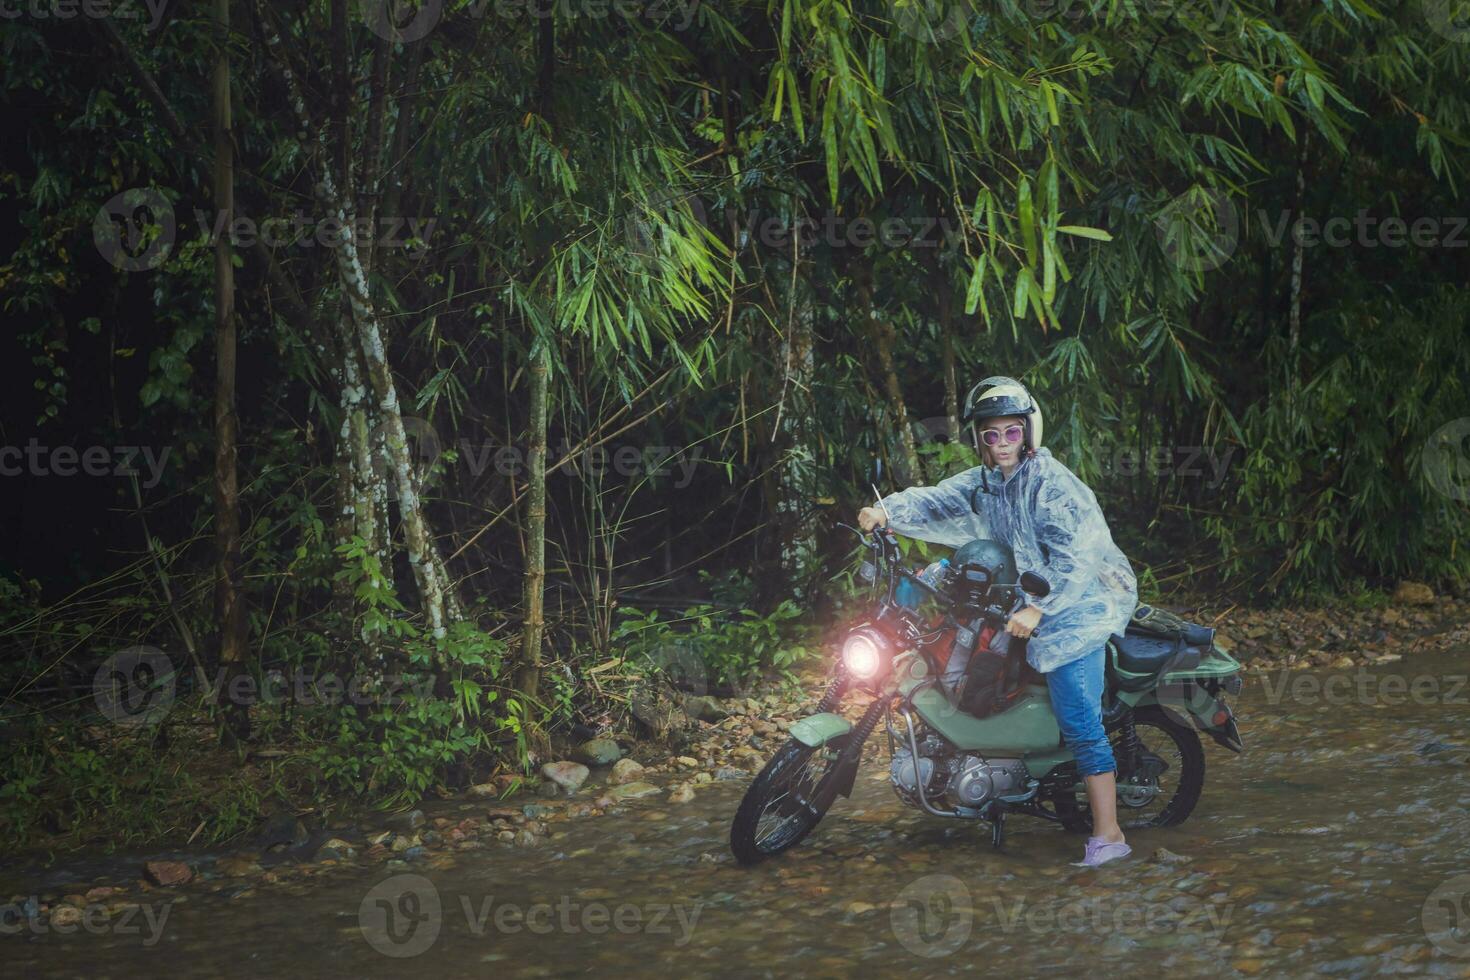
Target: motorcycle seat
x=1151, y=657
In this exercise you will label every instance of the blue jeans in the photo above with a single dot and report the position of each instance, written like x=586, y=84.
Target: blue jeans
x=1076, y=697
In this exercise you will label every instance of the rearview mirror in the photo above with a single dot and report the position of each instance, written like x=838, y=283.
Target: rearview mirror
x=1035, y=585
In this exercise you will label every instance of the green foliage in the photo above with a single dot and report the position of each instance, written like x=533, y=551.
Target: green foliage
x=733, y=648
x=423, y=704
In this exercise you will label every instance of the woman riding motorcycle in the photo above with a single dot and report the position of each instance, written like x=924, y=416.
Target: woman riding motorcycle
x=1026, y=498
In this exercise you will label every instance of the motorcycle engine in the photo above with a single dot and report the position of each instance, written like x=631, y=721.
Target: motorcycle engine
x=959, y=779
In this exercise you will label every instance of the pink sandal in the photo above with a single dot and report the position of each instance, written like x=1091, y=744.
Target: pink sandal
x=1101, y=852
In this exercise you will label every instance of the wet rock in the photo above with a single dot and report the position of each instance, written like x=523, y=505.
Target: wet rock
x=631, y=791
x=401, y=844
x=687, y=762
x=1165, y=856
x=567, y=776
x=1257, y=632
x=168, y=873
x=234, y=866
x=383, y=837
x=335, y=849
x=524, y=838
x=406, y=822
x=598, y=752
x=624, y=771
x=682, y=793
x=482, y=791
x=728, y=773
x=65, y=916
x=282, y=830
x=415, y=853
x=99, y=893
x=1413, y=594
x=705, y=708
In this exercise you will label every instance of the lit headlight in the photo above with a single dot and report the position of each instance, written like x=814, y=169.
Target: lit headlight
x=863, y=656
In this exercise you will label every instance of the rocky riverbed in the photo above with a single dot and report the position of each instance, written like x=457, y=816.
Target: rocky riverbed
x=1323, y=847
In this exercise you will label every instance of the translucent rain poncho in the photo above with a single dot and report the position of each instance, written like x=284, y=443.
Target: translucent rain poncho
x=1051, y=521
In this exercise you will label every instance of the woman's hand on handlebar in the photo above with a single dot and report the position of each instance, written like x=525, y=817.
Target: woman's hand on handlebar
x=871, y=517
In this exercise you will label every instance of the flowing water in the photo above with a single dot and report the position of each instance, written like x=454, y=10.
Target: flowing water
x=1336, y=845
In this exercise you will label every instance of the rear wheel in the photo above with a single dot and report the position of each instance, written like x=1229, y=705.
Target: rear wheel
x=1163, y=787
x=777, y=811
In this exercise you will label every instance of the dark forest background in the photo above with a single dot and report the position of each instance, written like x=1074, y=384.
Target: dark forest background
x=635, y=296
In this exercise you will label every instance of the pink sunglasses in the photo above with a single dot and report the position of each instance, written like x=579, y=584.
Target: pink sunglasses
x=1013, y=433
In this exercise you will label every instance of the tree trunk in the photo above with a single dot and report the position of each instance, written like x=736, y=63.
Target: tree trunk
x=884, y=341
x=435, y=589
x=1294, y=317
x=947, y=362
x=535, y=575
x=229, y=605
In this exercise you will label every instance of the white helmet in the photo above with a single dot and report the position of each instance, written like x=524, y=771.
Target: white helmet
x=1000, y=395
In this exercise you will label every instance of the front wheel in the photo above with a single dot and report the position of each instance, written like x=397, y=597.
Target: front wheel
x=1163, y=788
x=778, y=810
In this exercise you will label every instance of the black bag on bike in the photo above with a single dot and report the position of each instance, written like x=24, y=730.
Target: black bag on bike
x=991, y=678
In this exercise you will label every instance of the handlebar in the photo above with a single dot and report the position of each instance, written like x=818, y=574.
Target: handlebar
x=884, y=543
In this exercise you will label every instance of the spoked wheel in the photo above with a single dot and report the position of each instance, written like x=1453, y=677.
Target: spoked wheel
x=777, y=811
x=1164, y=786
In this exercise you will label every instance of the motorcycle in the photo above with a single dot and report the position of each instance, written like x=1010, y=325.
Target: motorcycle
x=958, y=759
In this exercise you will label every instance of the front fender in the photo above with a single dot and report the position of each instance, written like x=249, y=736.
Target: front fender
x=818, y=730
